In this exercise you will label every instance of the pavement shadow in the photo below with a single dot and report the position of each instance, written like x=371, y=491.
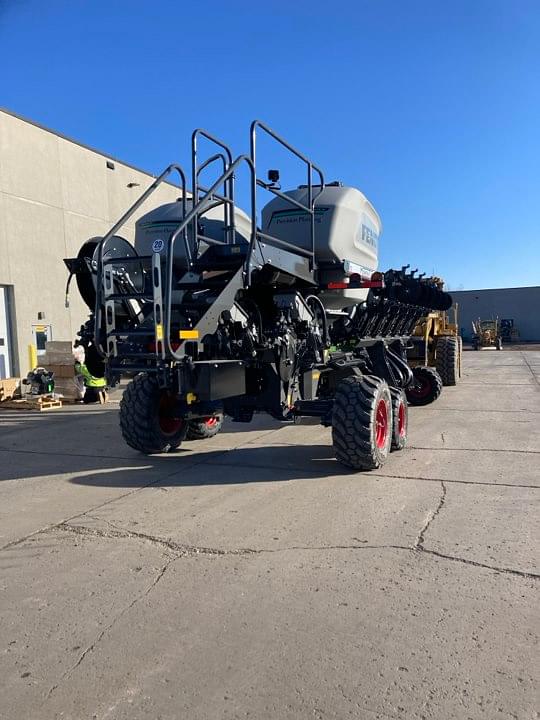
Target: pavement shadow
x=89, y=441
x=222, y=467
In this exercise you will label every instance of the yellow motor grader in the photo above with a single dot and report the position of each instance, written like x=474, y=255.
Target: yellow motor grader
x=435, y=348
x=487, y=333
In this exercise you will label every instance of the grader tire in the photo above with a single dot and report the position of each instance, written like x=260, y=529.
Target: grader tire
x=205, y=428
x=426, y=386
x=145, y=417
x=400, y=418
x=362, y=422
x=448, y=359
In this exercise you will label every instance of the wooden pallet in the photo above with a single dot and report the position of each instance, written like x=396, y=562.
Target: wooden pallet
x=40, y=404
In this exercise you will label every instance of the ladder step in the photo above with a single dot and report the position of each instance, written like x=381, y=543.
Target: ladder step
x=142, y=356
x=131, y=296
x=200, y=286
x=126, y=259
x=140, y=332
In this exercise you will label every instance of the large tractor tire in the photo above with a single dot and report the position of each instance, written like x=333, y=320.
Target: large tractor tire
x=400, y=418
x=205, y=428
x=426, y=386
x=362, y=422
x=447, y=359
x=146, y=417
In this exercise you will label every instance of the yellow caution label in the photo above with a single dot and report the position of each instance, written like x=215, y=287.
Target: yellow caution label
x=159, y=332
x=189, y=334
x=316, y=374
x=190, y=398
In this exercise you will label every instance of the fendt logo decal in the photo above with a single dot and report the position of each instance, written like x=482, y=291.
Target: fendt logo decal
x=369, y=236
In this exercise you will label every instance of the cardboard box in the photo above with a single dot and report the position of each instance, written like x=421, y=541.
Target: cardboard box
x=57, y=352
x=68, y=389
x=62, y=371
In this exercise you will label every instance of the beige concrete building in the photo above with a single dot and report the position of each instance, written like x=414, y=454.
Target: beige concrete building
x=55, y=193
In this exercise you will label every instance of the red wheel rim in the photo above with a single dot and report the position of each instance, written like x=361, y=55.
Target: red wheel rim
x=381, y=424
x=211, y=422
x=402, y=420
x=168, y=424
x=421, y=388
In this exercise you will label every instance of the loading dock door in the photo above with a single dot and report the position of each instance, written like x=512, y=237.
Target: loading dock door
x=5, y=350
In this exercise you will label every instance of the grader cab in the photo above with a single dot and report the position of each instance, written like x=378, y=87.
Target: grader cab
x=486, y=333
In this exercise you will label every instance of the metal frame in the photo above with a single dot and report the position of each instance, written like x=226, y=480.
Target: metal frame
x=285, y=254
x=197, y=209
x=310, y=167
x=100, y=289
x=227, y=198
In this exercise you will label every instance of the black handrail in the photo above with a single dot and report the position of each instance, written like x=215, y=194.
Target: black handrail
x=227, y=158
x=146, y=194
x=195, y=211
x=310, y=167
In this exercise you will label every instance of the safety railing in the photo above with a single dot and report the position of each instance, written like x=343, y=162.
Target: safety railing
x=308, y=208
x=227, y=198
x=203, y=198
x=202, y=205
x=105, y=281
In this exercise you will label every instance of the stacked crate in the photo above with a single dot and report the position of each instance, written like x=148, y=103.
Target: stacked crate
x=58, y=358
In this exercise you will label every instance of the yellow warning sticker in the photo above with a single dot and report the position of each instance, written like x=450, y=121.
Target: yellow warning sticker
x=159, y=332
x=189, y=334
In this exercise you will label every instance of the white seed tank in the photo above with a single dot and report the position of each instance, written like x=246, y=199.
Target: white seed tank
x=160, y=223
x=347, y=230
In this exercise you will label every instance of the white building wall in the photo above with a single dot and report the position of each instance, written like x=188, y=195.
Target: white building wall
x=54, y=195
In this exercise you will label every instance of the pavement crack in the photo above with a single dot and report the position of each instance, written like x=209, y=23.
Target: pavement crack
x=181, y=550
x=474, y=563
x=527, y=363
x=419, y=542
x=475, y=450
x=90, y=648
x=389, y=476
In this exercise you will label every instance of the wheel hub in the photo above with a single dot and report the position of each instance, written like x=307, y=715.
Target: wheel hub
x=167, y=422
x=402, y=421
x=381, y=424
x=421, y=388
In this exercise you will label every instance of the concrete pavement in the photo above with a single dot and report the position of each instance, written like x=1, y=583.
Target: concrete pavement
x=250, y=576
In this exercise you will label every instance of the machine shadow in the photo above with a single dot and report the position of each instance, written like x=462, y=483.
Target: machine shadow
x=245, y=465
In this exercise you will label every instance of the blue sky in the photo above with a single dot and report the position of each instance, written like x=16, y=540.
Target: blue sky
x=431, y=108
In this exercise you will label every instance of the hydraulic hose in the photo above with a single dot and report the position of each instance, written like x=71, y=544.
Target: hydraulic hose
x=401, y=367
